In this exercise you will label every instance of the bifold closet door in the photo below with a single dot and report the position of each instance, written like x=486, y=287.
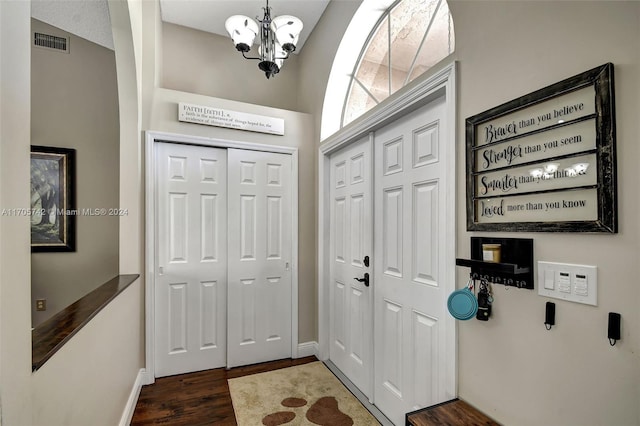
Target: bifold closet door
x=191, y=279
x=259, y=257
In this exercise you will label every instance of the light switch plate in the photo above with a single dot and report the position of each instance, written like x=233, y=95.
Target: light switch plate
x=582, y=285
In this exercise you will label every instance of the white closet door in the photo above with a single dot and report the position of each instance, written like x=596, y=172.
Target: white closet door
x=259, y=299
x=410, y=206
x=351, y=323
x=191, y=280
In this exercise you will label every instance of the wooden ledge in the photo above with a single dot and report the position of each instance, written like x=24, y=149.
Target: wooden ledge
x=451, y=413
x=48, y=337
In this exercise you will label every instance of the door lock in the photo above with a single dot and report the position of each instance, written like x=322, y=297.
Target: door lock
x=364, y=280
x=366, y=261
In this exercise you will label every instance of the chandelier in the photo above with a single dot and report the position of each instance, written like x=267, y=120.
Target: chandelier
x=278, y=38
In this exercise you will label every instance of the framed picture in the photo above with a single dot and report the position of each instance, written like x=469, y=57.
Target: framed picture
x=53, y=208
x=546, y=161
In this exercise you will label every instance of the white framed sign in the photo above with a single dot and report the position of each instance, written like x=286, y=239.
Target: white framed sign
x=546, y=161
x=218, y=117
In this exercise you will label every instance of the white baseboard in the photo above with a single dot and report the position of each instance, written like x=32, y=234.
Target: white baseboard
x=147, y=377
x=307, y=349
x=127, y=414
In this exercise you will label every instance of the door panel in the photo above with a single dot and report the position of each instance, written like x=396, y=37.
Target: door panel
x=409, y=300
x=426, y=347
x=351, y=344
x=392, y=232
x=425, y=226
x=190, y=294
x=259, y=250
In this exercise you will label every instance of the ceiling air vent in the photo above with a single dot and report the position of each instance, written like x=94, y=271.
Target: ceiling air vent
x=47, y=41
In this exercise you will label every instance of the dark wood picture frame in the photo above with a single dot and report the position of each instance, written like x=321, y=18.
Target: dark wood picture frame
x=53, y=199
x=602, y=80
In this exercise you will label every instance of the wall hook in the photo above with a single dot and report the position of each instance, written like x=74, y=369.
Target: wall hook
x=550, y=315
x=614, y=328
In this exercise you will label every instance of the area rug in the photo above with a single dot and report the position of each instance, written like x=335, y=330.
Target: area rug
x=307, y=394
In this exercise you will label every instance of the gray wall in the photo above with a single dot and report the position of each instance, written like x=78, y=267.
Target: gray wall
x=89, y=380
x=511, y=367
x=317, y=56
x=74, y=104
x=208, y=64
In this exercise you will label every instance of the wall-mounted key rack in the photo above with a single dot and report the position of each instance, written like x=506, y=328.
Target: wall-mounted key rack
x=515, y=265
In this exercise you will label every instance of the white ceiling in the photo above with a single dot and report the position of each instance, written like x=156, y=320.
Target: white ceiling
x=89, y=19
x=210, y=15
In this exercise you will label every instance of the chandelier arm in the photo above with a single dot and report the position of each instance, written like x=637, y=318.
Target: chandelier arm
x=249, y=57
x=286, y=57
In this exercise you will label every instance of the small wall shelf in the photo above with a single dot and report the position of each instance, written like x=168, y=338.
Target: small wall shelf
x=515, y=268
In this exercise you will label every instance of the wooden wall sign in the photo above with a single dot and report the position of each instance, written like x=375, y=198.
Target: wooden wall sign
x=209, y=116
x=546, y=161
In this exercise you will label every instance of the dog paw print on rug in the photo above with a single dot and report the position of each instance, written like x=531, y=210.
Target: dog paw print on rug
x=323, y=412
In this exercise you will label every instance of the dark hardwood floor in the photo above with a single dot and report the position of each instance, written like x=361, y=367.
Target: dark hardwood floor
x=200, y=398
x=451, y=413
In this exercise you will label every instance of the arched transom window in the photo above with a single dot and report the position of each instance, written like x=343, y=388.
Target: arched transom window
x=408, y=39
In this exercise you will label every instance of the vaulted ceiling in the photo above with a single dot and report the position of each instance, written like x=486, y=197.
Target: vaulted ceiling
x=89, y=19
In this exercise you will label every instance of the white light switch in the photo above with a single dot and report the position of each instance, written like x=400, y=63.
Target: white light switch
x=549, y=279
x=564, y=282
x=580, y=285
x=575, y=283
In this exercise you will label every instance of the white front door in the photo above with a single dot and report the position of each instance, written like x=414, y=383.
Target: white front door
x=259, y=250
x=191, y=281
x=410, y=206
x=351, y=324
